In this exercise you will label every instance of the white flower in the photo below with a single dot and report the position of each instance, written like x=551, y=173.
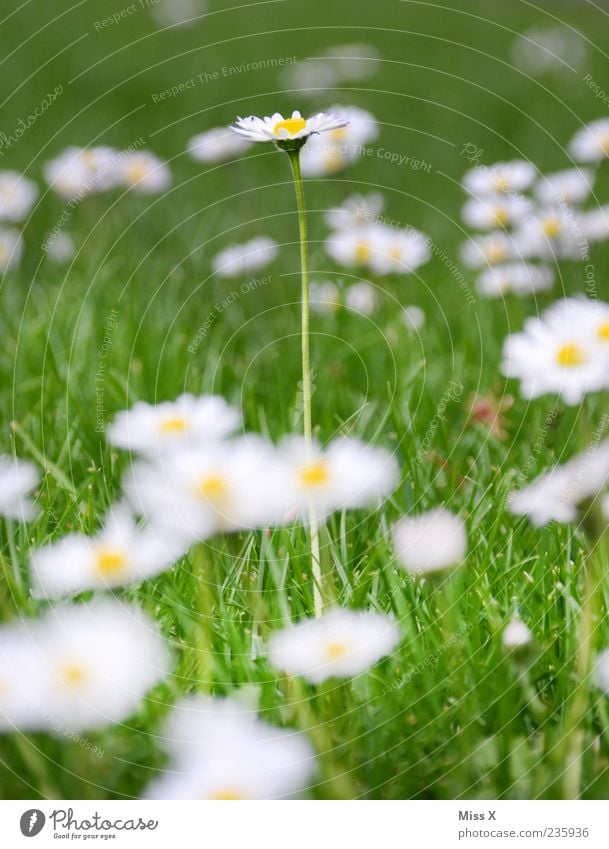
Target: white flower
x=324, y=297
x=557, y=353
x=19, y=677
x=11, y=248
x=519, y=277
x=143, y=172
x=340, y=147
x=601, y=671
x=152, y=428
x=516, y=634
x=245, y=258
x=121, y=553
x=430, y=542
x=339, y=644
x=497, y=210
x=571, y=186
x=59, y=247
x=278, y=129
x=78, y=171
x=550, y=233
x=594, y=224
x=338, y=64
x=413, y=317
x=506, y=177
x=490, y=249
x=556, y=48
x=591, y=143
x=221, y=751
x=356, y=246
x=555, y=495
x=345, y=475
x=217, y=145
x=399, y=251
x=17, y=480
x=355, y=211
x=361, y=297
x=17, y=196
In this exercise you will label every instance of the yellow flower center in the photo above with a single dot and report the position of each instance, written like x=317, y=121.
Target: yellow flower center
x=173, y=424
x=212, y=487
x=110, y=561
x=339, y=133
x=362, y=253
x=603, y=331
x=500, y=215
x=551, y=227
x=570, y=354
x=227, y=793
x=315, y=474
x=604, y=141
x=292, y=125
x=334, y=161
x=496, y=253
x=336, y=650
x=136, y=172
x=74, y=674
x=500, y=184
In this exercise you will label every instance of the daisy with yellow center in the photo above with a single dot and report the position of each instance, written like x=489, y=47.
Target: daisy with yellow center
x=571, y=354
x=279, y=129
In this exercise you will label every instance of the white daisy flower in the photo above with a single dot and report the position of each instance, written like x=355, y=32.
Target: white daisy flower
x=555, y=48
x=19, y=679
x=516, y=634
x=17, y=196
x=591, y=143
x=590, y=315
x=217, y=145
x=11, y=248
x=324, y=297
x=335, y=150
x=338, y=644
x=245, y=258
x=502, y=177
x=491, y=211
x=121, y=553
x=279, y=129
x=150, y=429
x=556, y=495
x=356, y=247
x=430, y=542
x=556, y=354
x=361, y=297
x=17, y=480
x=59, y=247
x=78, y=171
x=345, y=475
x=97, y=662
x=143, y=172
x=550, y=233
x=594, y=224
x=355, y=211
x=339, y=64
x=497, y=247
x=571, y=186
x=221, y=751
x=413, y=317
x=519, y=277
x=399, y=251
x=601, y=671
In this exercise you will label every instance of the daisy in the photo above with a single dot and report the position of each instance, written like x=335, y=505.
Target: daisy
x=491, y=249
x=11, y=248
x=556, y=354
x=355, y=211
x=357, y=246
x=361, y=297
x=150, y=429
x=339, y=644
x=280, y=129
x=78, y=171
x=340, y=147
x=519, y=277
x=550, y=233
x=399, y=252
x=491, y=211
x=245, y=258
x=339, y=64
x=516, y=635
x=219, y=750
x=503, y=177
x=216, y=145
x=571, y=186
x=17, y=196
x=430, y=542
x=591, y=143
x=556, y=495
x=17, y=480
x=413, y=317
x=97, y=662
x=59, y=247
x=121, y=553
x=324, y=297
x=19, y=677
x=143, y=172
x=594, y=224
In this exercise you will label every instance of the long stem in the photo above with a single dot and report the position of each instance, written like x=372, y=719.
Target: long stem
x=306, y=369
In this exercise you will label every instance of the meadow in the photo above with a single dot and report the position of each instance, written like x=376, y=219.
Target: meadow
x=138, y=313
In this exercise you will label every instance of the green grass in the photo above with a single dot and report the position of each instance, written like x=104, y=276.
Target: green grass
x=449, y=714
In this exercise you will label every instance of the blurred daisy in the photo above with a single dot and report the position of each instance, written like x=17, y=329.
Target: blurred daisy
x=356, y=247
x=152, y=428
x=78, y=171
x=555, y=48
x=143, y=172
x=355, y=211
x=594, y=224
x=11, y=248
x=399, y=251
x=97, y=662
x=497, y=247
x=17, y=480
x=339, y=644
x=430, y=542
x=219, y=750
x=280, y=129
x=413, y=317
x=556, y=495
x=591, y=316
x=333, y=151
x=216, y=145
x=571, y=186
x=601, y=671
x=503, y=177
x=324, y=297
x=361, y=297
x=121, y=553
x=519, y=277
x=550, y=233
x=339, y=64
x=591, y=143
x=59, y=247
x=19, y=679
x=17, y=196
x=516, y=635
x=493, y=211
x=245, y=258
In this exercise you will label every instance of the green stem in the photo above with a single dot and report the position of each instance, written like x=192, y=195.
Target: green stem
x=306, y=369
x=205, y=595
